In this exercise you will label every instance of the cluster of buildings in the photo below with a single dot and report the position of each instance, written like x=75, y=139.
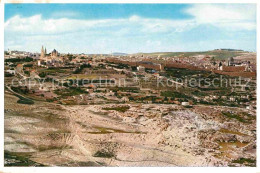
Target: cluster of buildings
x=128, y=67
x=20, y=54
x=140, y=65
x=51, y=59
x=200, y=62
x=141, y=62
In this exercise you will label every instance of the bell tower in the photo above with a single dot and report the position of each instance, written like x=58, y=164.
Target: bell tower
x=42, y=53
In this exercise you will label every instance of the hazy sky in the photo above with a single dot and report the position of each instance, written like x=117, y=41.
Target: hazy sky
x=129, y=28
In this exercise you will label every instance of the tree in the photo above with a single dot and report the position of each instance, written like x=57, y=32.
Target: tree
x=42, y=74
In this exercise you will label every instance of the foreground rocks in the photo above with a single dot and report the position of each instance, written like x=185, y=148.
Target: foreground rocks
x=127, y=135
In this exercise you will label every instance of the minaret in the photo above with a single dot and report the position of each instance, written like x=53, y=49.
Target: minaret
x=42, y=53
x=45, y=51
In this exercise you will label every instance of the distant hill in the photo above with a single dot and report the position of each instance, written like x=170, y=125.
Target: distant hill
x=221, y=54
x=118, y=54
x=230, y=49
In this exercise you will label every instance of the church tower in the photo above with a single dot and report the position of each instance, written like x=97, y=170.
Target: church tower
x=45, y=51
x=42, y=53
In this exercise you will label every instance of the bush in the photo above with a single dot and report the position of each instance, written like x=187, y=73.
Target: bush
x=174, y=94
x=79, y=70
x=104, y=154
x=119, y=109
x=27, y=72
x=244, y=118
x=26, y=59
x=28, y=65
x=42, y=74
x=247, y=161
x=8, y=75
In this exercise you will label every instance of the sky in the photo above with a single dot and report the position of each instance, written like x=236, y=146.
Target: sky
x=129, y=28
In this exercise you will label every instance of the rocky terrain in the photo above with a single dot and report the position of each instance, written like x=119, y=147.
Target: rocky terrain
x=48, y=134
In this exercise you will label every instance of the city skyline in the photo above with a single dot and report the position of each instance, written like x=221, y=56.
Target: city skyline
x=132, y=28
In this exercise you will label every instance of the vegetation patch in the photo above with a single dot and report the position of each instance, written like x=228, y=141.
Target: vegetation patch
x=51, y=71
x=47, y=148
x=27, y=59
x=70, y=91
x=22, y=100
x=25, y=101
x=119, y=108
x=182, y=72
x=12, y=159
x=79, y=69
x=246, y=161
x=241, y=117
x=28, y=65
x=126, y=89
x=174, y=94
x=104, y=154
